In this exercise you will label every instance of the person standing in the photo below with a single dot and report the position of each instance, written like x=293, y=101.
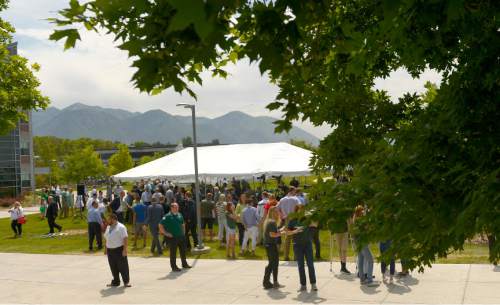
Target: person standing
x=189, y=214
x=207, y=216
x=271, y=237
x=230, y=230
x=250, y=221
x=173, y=228
x=286, y=206
x=154, y=215
x=116, y=249
x=341, y=235
x=17, y=219
x=52, y=215
x=314, y=230
x=169, y=194
x=139, y=221
x=365, y=256
x=95, y=223
x=146, y=196
x=384, y=246
x=64, y=203
x=261, y=215
x=71, y=202
x=302, y=248
x=238, y=210
x=220, y=208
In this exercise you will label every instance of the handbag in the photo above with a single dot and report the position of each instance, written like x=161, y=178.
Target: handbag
x=21, y=220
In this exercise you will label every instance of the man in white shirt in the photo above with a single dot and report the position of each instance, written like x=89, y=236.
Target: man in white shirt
x=287, y=206
x=116, y=249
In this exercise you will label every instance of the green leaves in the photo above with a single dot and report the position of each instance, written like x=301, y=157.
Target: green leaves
x=190, y=12
x=71, y=36
x=19, y=91
x=424, y=160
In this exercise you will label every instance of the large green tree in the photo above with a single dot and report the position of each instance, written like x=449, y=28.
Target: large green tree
x=82, y=164
x=120, y=161
x=18, y=86
x=427, y=167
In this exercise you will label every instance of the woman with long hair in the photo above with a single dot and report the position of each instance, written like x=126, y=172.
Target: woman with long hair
x=271, y=237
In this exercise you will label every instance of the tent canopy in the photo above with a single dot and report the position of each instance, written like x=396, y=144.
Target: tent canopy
x=235, y=160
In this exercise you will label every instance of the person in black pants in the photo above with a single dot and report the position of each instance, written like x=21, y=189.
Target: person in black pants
x=94, y=224
x=314, y=230
x=52, y=215
x=116, y=249
x=271, y=236
x=188, y=211
x=172, y=226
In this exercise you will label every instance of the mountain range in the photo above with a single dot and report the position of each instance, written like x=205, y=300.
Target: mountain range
x=79, y=120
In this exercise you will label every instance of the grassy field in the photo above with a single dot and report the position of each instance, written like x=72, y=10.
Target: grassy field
x=76, y=242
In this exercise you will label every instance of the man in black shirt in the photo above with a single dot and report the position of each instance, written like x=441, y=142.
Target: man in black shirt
x=52, y=215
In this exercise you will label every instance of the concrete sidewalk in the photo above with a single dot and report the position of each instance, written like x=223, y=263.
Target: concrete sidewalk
x=28, y=278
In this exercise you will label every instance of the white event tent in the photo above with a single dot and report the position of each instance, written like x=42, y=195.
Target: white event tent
x=242, y=161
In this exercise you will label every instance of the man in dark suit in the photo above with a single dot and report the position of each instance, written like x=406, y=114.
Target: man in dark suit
x=52, y=215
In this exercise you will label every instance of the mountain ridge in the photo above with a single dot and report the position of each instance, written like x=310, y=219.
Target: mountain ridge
x=80, y=120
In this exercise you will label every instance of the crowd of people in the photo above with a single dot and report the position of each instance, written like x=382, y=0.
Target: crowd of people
x=167, y=214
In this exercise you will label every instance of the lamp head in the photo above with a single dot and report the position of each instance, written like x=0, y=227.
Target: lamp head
x=185, y=105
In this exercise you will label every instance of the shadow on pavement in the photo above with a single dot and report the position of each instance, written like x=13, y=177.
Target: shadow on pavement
x=408, y=280
x=277, y=294
x=496, y=269
x=345, y=277
x=173, y=275
x=397, y=289
x=370, y=290
x=313, y=298
x=112, y=291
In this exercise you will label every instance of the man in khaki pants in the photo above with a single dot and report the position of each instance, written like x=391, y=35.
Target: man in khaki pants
x=342, y=238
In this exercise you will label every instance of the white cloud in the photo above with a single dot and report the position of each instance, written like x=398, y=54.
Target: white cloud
x=97, y=73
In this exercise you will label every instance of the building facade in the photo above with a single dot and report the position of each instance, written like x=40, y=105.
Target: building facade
x=16, y=160
x=16, y=156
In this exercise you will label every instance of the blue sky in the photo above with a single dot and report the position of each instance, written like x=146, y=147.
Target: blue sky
x=97, y=73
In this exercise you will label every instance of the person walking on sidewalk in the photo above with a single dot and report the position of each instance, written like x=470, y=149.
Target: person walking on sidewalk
x=172, y=226
x=116, y=249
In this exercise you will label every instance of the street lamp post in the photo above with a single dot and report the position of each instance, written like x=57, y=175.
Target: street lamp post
x=201, y=248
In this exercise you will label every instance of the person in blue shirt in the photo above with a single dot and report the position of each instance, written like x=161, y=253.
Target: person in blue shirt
x=139, y=209
x=94, y=225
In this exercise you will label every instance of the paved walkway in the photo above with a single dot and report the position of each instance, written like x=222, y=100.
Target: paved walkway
x=28, y=278
x=27, y=211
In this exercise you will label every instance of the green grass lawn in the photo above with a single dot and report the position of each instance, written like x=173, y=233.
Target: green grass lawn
x=76, y=242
